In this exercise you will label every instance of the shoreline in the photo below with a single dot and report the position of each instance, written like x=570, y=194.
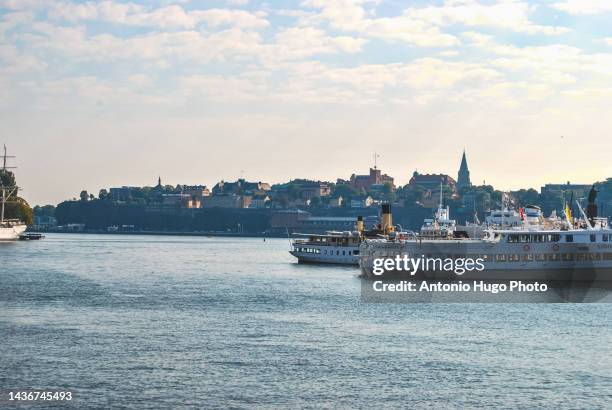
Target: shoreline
x=174, y=233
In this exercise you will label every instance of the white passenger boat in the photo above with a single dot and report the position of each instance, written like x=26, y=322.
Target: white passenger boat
x=331, y=247
x=339, y=247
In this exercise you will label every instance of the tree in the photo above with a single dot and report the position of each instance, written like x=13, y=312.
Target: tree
x=103, y=195
x=347, y=192
x=7, y=178
x=18, y=208
x=84, y=196
x=46, y=210
x=526, y=197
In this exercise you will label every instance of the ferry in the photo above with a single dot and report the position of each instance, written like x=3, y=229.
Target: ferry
x=340, y=248
x=10, y=229
x=555, y=250
x=332, y=247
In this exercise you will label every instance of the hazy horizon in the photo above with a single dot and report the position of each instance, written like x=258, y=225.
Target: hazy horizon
x=104, y=94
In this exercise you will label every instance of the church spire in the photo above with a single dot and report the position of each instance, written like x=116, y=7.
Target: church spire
x=463, y=177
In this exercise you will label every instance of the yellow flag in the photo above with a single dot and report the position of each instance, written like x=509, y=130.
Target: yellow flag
x=568, y=214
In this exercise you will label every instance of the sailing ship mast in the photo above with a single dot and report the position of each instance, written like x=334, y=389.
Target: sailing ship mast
x=6, y=191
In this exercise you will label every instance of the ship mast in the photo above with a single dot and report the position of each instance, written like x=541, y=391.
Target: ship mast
x=4, y=189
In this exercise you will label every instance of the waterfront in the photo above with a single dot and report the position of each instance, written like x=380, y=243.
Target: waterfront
x=153, y=321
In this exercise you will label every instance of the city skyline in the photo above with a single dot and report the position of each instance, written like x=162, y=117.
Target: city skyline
x=210, y=185
x=102, y=94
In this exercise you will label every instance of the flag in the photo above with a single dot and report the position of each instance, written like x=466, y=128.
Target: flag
x=568, y=214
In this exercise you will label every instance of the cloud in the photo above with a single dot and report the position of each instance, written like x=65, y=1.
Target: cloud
x=74, y=46
x=564, y=60
x=584, y=6
x=171, y=16
x=420, y=26
x=300, y=42
x=511, y=15
x=607, y=40
x=348, y=16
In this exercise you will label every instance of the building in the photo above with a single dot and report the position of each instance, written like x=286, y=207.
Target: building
x=124, y=193
x=299, y=192
x=181, y=201
x=240, y=187
x=44, y=222
x=432, y=182
x=197, y=191
x=554, y=196
x=375, y=177
x=310, y=189
x=336, y=202
x=287, y=219
x=427, y=186
x=322, y=224
x=463, y=176
x=362, y=202
x=260, y=201
x=226, y=201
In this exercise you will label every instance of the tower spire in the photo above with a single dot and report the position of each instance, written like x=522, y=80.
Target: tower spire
x=463, y=177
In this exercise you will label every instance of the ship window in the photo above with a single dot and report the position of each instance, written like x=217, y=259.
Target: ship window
x=604, y=237
x=607, y=256
x=349, y=252
x=569, y=238
x=528, y=257
x=593, y=237
x=581, y=257
x=568, y=256
x=515, y=257
x=553, y=257
x=540, y=257
x=337, y=252
x=500, y=257
x=356, y=252
x=343, y=253
x=594, y=256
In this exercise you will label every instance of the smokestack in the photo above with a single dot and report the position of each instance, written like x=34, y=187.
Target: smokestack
x=386, y=219
x=359, y=225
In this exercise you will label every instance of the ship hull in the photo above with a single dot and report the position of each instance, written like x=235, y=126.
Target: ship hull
x=11, y=233
x=535, y=262
x=334, y=259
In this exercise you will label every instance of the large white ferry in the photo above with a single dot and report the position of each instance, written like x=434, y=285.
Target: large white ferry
x=551, y=250
x=10, y=229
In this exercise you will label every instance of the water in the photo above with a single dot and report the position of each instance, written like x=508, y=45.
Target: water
x=150, y=322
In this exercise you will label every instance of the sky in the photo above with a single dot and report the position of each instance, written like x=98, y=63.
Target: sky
x=101, y=94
